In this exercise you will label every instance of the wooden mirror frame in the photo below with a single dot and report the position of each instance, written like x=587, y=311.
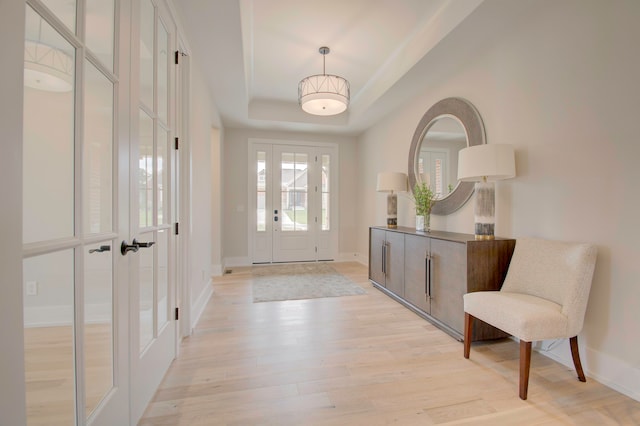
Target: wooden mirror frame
x=464, y=112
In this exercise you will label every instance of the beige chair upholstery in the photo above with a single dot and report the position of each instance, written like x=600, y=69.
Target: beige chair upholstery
x=544, y=296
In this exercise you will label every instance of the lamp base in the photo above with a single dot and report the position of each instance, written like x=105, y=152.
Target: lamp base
x=484, y=211
x=485, y=237
x=392, y=211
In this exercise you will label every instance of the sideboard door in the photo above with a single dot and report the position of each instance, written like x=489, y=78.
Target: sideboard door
x=448, y=282
x=395, y=263
x=416, y=248
x=377, y=241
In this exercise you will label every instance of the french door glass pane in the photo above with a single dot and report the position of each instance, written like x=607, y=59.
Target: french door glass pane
x=261, y=188
x=325, y=177
x=98, y=151
x=48, y=338
x=99, y=36
x=163, y=72
x=146, y=292
x=147, y=20
x=162, y=243
x=162, y=168
x=145, y=169
x=98, y=323
x=65, y=10
x=48, y=140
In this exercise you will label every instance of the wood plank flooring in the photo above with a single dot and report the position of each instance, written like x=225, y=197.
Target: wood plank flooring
x=359, y=360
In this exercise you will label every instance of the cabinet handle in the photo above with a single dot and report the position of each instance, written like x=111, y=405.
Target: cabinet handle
x=428, y=276
x=384, y=258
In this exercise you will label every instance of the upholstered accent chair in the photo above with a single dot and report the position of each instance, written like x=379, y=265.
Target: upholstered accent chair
x=544, y=296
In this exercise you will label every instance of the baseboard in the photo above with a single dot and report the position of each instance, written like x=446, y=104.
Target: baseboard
x=348, y=257
x=217, y=270
x=197, y=308
x=236, y=261
x=608, y=370
x=62, y=315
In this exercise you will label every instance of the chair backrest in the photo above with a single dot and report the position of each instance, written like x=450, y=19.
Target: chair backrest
x=557, y=271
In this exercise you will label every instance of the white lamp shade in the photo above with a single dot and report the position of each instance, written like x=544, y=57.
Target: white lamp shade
x=324, y=94
x=493, y=161
x=391, y=182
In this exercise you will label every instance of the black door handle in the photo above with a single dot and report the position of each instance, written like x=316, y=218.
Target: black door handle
x=126, y=248
x=142, y=245
x=100, y=249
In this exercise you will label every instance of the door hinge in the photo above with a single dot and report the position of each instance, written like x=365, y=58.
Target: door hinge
x=177, y=229
x=177, y=316
x=316, y=249
x=177, y=56
x=177, y=142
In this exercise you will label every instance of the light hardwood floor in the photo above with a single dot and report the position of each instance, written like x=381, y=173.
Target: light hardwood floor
x=359, y=360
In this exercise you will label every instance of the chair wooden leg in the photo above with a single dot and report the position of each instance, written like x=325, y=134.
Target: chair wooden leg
x=576, y=358
x=525, y=363
x=468, y=324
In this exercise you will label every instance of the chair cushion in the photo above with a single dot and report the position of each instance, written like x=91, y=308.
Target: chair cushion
x=526, y=317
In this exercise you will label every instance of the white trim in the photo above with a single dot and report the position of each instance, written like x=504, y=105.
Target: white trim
x=217, y=270
x=62, y=315
x=612, y=372
x=362, y=259
x=348, y=257
x=197, y=307
x=236, y=261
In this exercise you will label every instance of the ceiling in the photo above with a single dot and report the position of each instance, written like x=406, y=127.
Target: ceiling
x=254, y=52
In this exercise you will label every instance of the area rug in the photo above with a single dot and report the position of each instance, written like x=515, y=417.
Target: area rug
x=300, y=281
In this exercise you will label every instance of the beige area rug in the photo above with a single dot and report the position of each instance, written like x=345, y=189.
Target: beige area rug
x=300, y=281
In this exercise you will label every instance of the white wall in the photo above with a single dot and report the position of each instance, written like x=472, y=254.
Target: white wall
x=203, y=116
x=235, y=194
x=559, y=80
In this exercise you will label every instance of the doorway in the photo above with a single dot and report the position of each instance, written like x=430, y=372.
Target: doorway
x=293, y=202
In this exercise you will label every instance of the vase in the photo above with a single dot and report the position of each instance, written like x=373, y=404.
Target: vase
x=420, y=223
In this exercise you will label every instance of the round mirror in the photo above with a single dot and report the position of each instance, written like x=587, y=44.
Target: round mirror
x=446, y=128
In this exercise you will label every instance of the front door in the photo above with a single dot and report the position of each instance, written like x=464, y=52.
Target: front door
x=293, y=200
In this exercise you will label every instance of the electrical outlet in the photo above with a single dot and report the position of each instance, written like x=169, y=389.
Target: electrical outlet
x=32, y=288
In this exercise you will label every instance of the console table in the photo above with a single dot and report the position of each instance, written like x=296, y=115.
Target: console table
x=428, y=272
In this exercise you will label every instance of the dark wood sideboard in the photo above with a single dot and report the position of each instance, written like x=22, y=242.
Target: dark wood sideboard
x=429, y=272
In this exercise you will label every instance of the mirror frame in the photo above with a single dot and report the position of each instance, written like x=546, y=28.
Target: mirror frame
x=467, y=115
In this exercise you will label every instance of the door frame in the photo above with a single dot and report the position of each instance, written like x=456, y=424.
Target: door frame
x=251, y=199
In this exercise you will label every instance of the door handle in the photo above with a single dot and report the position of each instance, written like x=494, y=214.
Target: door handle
x=126, y=248
x=428, y=276
x=100, y=249
x=142, y=245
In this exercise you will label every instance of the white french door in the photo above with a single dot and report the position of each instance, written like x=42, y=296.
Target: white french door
x=75, y=212
x=153, y=166
x=98, y=208
x=293, y=190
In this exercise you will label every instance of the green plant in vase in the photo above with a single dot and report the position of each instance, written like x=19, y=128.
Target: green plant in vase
x=424, y=199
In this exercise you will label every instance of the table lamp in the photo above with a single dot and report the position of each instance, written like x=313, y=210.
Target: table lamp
x=392, y=182
x=484, y=164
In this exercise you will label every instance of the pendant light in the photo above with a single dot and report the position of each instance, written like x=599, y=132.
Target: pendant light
x=323, y=94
